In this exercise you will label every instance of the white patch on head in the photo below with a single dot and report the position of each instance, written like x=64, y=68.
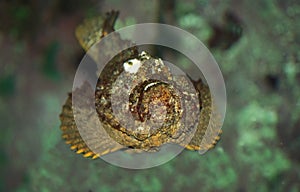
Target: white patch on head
x=132, y=65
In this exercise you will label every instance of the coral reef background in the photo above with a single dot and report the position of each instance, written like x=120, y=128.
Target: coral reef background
x=256, y=44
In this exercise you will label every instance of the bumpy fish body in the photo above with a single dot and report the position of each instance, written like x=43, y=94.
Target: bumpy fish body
x=161, y=108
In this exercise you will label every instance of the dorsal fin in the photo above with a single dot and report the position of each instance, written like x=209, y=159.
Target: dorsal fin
x=93, y=29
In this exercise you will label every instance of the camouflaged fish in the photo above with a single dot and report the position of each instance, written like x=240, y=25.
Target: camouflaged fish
x=161, y=107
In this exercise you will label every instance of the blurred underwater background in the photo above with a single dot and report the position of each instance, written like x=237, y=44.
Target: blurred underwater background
x=255, y=43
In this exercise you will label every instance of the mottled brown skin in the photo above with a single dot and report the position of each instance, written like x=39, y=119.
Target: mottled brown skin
x=150, y=91
x=158, y=94
x=127, y=136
